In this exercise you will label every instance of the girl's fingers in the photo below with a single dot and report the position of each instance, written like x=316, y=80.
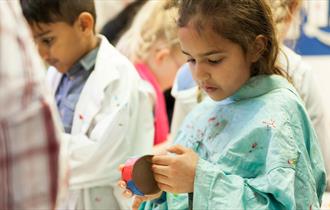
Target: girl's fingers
x=122, y=184
x=177, y=149
x=120, y=167
x=162, y=159
x=136, y=203
x=127, y=194
x=165, y=187
x=160, y=169
x=161, y=178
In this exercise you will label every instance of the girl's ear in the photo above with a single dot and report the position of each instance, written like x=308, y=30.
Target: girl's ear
x=258, y=48
x=86, y=22
x=161, y=54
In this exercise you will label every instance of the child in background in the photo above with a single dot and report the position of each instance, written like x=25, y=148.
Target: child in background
x=250, y=144
x=302, y=77
x=152, y=44
x=115, y=27
x=187, y=95
x=103, y=104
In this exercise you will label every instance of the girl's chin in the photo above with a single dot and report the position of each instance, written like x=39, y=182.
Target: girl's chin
x=217, y=98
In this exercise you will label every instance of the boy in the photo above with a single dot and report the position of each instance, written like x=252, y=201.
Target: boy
x=99, y=96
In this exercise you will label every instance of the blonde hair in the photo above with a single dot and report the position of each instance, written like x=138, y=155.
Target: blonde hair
x=155, y=21
x=283, y=10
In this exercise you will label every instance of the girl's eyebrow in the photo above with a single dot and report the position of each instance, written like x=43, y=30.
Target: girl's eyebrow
x=213, y=52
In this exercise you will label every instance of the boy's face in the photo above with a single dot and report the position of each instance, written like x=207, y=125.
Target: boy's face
x=219, y=66
x=60, y=44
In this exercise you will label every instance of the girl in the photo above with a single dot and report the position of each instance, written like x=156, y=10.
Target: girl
x=250, y=144
x=152, y=44
x=284, y=11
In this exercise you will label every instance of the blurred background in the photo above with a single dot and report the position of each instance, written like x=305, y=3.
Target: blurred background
x=310, y=37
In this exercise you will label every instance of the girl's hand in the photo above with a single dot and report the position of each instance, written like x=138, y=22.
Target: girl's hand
x=126, y=192
x=176, y=174
x=137, y=199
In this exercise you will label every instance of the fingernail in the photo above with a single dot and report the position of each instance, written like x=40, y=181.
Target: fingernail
x=128, y=193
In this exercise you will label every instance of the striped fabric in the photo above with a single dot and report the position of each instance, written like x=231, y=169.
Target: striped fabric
x=29, y=146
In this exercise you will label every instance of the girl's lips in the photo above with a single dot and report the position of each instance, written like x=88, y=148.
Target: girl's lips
x=209, y=89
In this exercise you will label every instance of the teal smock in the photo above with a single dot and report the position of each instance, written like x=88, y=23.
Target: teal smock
x=257, y=150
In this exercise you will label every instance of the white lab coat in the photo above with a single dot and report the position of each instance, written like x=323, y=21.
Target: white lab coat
x=113, y=121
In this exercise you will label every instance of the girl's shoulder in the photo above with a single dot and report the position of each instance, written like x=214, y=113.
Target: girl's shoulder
x=270, y=98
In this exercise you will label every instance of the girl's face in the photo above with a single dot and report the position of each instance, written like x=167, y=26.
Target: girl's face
x=218, y=65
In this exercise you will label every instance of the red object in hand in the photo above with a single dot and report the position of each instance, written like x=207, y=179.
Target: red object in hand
x=138, y=175
x=127, y=171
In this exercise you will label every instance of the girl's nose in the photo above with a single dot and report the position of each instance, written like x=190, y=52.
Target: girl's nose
x=200, y=73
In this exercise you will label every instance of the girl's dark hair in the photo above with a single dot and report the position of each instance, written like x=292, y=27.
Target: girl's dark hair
x=239, y=21
x=50, y=11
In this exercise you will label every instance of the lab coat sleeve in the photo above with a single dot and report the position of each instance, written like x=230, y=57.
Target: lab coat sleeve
x=215, y=189
x=286, y=168
x=108, y=149
x=119, y=132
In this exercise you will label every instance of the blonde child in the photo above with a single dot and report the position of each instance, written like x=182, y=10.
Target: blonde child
x=104, y=108
x=152, y=45
x=250, y=144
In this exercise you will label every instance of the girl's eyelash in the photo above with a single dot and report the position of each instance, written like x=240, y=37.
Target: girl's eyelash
x=191, y=60
x=214, y=61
